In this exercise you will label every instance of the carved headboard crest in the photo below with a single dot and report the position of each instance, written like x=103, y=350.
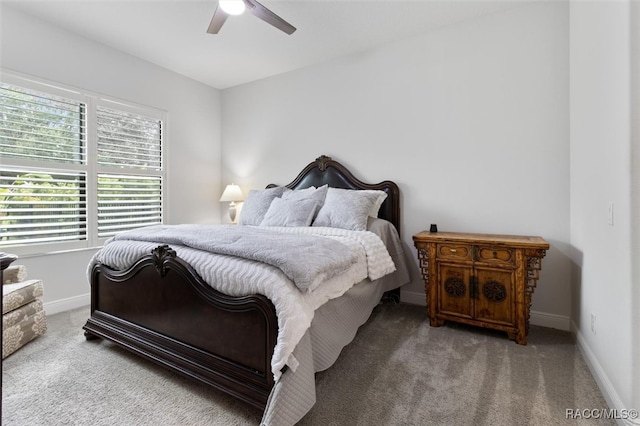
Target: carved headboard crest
x=322, y=161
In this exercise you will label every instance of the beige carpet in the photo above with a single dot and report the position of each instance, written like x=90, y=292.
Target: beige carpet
x=398, y=371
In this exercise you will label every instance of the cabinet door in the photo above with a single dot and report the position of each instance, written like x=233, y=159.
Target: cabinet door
x=453, y=290
x=495, y=295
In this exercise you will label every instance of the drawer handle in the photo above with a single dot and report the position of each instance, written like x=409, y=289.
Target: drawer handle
x=453, y=250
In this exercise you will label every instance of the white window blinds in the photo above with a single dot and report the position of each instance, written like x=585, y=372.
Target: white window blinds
x=128, y=202
x=75, y=168
x=134, y=142
x=41, y=127
x=128, y=140
x=42, y=207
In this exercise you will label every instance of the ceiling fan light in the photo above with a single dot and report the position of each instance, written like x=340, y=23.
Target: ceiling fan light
x=232, y=7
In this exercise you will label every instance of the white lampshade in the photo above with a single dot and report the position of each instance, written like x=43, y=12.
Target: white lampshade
x=232, y=193
x=232, y=7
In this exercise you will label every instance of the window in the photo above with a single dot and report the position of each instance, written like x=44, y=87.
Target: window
x=42, y=207
x=75, y=168
x=128, y=141
x=128, y=202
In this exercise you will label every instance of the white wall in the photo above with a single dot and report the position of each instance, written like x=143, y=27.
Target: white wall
x=471, y=121
x=635, y=201
x=601, y=83
x=192, y=158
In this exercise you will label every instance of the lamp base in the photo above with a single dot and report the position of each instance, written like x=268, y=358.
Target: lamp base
x=232, y=212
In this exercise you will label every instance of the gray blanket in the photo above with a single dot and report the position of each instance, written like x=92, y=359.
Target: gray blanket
x=307, y=260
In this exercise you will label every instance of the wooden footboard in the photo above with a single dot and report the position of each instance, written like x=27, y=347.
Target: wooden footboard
x=161, y=309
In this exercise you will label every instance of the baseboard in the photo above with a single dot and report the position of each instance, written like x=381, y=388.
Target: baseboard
x=67, y=304
x=413, y=297
x=606, y=387
x=543, y=319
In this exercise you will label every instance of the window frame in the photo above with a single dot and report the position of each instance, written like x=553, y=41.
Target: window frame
x=91, y=167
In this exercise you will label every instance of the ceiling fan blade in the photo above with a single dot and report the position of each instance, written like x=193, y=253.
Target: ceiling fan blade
x=219, y=17
x=269, y=17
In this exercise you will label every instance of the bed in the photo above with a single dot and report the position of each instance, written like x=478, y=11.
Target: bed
x=164, y=308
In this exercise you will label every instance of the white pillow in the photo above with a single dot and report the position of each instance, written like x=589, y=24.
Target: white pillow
x=257, y=203
x=347, y=209
x=312, y=193
x=283, y=212
x=381, y=197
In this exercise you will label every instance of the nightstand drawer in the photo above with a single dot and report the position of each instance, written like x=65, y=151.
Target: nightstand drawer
x=495, y=255
x=454, y=251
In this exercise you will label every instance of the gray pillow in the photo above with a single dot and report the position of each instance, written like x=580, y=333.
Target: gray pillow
x=316, y=194
x=257, y=203
x=347, y=209
x=283, y=212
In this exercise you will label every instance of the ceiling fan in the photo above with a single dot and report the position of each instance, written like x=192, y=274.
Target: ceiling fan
x=236, y=7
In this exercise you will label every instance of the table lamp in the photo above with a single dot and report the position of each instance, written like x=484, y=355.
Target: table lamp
x=231, y=194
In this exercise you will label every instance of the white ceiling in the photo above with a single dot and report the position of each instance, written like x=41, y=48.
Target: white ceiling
x=172, y=33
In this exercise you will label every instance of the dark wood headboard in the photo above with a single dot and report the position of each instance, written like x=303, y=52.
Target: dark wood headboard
x=325, y=171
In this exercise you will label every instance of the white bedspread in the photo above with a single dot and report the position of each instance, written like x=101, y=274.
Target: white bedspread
x=240, y=277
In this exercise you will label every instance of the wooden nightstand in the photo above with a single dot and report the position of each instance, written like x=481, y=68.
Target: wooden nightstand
x=480, y=279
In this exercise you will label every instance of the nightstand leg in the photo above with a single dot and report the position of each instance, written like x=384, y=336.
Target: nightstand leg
x=518, y=336
x=435, y=322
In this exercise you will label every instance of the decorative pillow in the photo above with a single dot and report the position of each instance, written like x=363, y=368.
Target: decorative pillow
x=283, y=212
x=346, y=208
x=381, y=197
x=257, y=203
x=312, y=193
